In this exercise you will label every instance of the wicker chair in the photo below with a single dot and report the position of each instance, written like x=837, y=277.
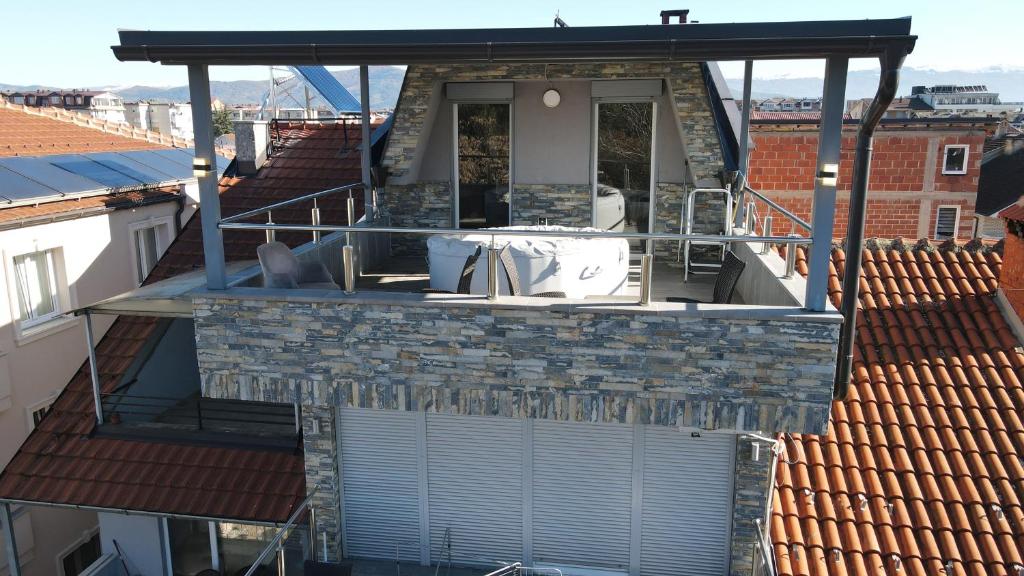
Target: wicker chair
x=512, y=276
x=725, y=283
x=465, y=279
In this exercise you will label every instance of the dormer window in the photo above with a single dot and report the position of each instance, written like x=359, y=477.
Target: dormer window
x=78, y=100
x=30, y=100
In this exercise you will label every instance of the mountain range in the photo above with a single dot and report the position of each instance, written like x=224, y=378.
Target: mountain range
x=386, y=82
x=1009, y=83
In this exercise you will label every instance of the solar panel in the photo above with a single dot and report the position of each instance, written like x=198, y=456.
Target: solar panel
x=133, y=168
x=15, y=187
x=328, y=86
x=157, y=161
x=40, y=170
x=93, y=170
x=181, y=156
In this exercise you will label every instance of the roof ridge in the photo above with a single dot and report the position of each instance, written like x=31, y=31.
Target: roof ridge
x=901, y=245
x=124, y=130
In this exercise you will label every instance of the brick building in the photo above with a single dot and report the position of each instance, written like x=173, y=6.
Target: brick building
x=924, y=173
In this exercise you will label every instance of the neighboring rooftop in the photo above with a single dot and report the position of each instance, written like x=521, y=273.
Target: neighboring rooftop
x=921, y=472
x=1001, y=183
x=65, y=462
x=25, y=132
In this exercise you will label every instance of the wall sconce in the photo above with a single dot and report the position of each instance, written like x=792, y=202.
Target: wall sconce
x=829, y=174
x=552, y=98
x=201, y=167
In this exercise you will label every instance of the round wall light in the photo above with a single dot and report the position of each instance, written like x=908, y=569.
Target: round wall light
x=552, y=98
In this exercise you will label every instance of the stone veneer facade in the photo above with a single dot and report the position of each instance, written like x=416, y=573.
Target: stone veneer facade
x=429, y=203
x=561, y=204
x=660, y=365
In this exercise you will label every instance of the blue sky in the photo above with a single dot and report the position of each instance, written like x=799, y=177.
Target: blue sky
x=66, y=42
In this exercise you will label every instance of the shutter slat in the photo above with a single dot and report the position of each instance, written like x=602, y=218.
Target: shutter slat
x=582, y=494
x=378, y=459
x=687, y=503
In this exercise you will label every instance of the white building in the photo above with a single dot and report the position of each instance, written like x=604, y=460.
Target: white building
x=170, y=118
x=56, y=253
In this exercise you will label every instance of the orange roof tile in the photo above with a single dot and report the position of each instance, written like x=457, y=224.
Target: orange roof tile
x=23, y=134
x=61, y=462
x=930, y=438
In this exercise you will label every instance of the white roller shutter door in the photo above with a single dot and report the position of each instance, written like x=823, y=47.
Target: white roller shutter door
x=475, y=477
x=582, y=494
x=380, y=483
x=687, y=503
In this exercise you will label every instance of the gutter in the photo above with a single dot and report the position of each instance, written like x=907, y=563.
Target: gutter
x=887, y=84
x=86, y=212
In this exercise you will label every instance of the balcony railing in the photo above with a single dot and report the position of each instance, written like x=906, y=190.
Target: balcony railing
x=317, y=229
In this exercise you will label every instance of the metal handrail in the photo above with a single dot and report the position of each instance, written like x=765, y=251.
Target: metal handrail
x=282, y=533
x=283, y=203
x=797, y=240
x=767, y=559
x=775, y=206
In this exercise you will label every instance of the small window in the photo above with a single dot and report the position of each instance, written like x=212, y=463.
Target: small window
x=76, y=561
x=947, y=221
x=78, y=100
x=18, y=99
x=30, y=100
x=954, y=160
x=38, y=289
x=37, y=411
x=149, y=239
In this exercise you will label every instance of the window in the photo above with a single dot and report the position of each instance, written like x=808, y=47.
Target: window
x=623, y=167
x=37, y=411
x=149, y=238
x=947, y=222
x=78, y=100
x=38, y=287
x=954, y=160
x=55, y=100
x=81, y=557
x=483, y=160
x=18, y=99
x=30, y=100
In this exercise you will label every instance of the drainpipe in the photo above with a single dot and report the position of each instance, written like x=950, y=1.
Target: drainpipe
x=181, y=210
x=887, y=83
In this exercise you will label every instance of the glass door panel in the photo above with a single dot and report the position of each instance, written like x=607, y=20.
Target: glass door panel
x=625, y=142
x=483, y=149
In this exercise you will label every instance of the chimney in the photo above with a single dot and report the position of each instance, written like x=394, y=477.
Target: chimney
x=1011, y=277
x=252, y=138
x=667, y=14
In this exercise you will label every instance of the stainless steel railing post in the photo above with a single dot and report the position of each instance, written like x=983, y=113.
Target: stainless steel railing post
x=271, y=234
x=492, y=273
x=765, y=246
x=790, y=259
x=350, y=210
x=316, y=221
x=348, y=263
x=751, y=218
x=646, y=278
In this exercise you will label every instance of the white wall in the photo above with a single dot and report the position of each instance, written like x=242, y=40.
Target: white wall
x=140, y=539
x=98, y=263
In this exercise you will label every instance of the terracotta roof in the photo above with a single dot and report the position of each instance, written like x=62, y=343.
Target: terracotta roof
x=87, y=205
x=921, y=472
x=1014, y=212
x=62, y=463
x=24, y=134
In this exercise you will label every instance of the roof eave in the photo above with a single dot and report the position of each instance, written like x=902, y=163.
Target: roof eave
x=692, y=42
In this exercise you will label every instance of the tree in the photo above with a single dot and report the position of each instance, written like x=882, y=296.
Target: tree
x=222, y=123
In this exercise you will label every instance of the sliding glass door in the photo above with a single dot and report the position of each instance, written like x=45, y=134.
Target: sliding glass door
x=482, y=164
x=623, y=165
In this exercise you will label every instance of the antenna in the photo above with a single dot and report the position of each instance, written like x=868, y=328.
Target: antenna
x=559, y=23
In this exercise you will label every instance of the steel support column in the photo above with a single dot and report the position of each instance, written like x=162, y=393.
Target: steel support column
x=209, y=197
x=13, y=566
x=364, y=100
x=744, y=159
x=94, y=374
x=823, y=208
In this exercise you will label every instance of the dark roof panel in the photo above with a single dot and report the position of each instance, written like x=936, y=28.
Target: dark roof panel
x=1001, y=182
x=694, y=42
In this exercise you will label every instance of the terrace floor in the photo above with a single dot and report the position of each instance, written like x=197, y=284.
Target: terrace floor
x=410, y=275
